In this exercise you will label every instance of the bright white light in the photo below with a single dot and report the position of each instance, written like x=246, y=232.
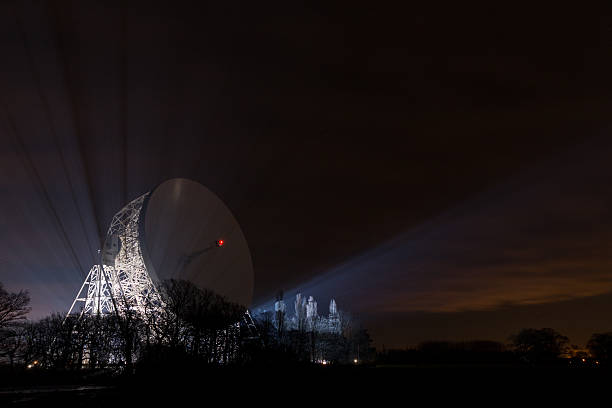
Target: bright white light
x=128, y=278
x=355, y=361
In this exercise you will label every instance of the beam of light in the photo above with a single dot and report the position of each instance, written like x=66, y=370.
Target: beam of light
x=541, y=237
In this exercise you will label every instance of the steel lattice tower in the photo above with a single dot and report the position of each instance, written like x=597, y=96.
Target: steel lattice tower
x=120, y=280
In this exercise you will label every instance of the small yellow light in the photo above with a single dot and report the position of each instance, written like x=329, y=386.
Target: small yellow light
x=355, y=361
x=29, y=365
x=583, y=360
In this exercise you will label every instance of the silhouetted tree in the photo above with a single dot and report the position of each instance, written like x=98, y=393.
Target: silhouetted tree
x=13, y=307
x=362, y=346
x=128, y=328
x=279, y=317
x=539, y=345
x=600, y=347
x=265, y=328
x=12, y=341
x=50, y=341
x=193, y=321
x=334, y=347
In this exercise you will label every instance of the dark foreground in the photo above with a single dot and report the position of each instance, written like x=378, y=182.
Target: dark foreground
x=269, y=385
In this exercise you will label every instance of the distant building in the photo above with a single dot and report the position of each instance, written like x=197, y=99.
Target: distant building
x=306, y=316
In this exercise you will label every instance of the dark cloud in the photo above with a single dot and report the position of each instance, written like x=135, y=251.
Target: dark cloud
x=541, y=237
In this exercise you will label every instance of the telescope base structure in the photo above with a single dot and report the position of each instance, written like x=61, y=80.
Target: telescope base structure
x=98, y=299
x=120, y=282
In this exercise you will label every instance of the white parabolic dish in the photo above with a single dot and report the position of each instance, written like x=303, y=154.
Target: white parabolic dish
x=181, y=224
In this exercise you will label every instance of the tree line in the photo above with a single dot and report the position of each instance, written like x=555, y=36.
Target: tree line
x=190, y=327
x=309, y=342
x=197, y=327
x=189, y=324
x=528, y=347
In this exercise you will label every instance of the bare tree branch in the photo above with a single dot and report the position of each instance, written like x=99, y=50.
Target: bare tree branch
x=13, y=307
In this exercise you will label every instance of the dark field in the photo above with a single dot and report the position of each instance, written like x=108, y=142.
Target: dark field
x=266, y=385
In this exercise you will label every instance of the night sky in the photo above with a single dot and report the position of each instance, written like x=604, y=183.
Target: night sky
x=444, y=173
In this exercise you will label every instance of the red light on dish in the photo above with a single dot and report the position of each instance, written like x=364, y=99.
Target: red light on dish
x=220, y=243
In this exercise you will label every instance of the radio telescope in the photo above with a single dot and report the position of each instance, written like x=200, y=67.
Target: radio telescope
x=178, y=230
